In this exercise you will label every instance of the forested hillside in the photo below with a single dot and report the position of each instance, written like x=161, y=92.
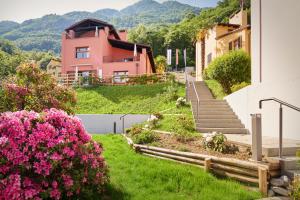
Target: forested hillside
x=11, y=57
x=44, y=33
x=184, y=34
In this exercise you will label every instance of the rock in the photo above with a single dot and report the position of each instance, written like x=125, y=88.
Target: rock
x=277, y=182
x=271, y=193
x=280, y=190
x=285, y=180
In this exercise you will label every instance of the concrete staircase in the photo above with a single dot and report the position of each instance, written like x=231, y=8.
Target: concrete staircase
x=213, y=114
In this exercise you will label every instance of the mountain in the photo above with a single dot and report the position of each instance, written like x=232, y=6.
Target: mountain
x=44, y=33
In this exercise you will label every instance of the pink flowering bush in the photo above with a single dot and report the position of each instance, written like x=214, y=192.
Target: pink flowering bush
x=48, y=155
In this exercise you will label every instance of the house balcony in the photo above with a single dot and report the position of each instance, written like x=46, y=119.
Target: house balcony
x=112, y=59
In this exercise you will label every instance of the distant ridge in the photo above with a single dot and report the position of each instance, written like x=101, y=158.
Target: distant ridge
x=44, y=33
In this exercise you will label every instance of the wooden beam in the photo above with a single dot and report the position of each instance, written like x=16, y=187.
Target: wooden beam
x=263, y=180
x=207, y=164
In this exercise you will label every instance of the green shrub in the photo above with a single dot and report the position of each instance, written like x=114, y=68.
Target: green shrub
x=158, y=115
x=295, y=188
x=33, y=89
x=239, y=86
x=137, y=129
x=183, y=135
x=205, y=75
x=171, y=78
x=152, y=122
x=215, y=142
x=180, y=102
x=144, y=137
x=184, y=129
x=186, y=123
x=171, y=93
x=230, y=69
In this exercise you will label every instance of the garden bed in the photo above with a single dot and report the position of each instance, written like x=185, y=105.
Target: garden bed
x=195, y=145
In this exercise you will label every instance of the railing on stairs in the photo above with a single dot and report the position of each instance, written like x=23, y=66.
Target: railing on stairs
x=280, y=117
x=197, y=96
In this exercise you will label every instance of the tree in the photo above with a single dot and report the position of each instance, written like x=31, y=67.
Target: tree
x=161, y=64
x=230, y=69
x=33, y=89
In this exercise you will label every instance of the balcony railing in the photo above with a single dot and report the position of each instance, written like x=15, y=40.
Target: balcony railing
x=111, y=59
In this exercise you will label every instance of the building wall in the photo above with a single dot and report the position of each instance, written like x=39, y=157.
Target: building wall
x=240, y=18
x=279, y=73
x=223, y=43
x=210, y=44
x=99, y=47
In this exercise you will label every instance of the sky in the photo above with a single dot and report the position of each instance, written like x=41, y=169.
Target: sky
x=21, y=10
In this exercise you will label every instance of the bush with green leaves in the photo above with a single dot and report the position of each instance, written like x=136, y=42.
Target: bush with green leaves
x=33, y=89
x=183, y=135
x=180, y=102
x=152, y=122
x=144, y=137
x=295, y=188
x=171, y=92
x=231, y=68
x=158, y=115
x=239, y=86
x=186, y=122
x=215, y=141
x=184, y=129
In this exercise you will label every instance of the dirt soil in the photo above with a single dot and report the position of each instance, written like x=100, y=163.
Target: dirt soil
x=196, y=146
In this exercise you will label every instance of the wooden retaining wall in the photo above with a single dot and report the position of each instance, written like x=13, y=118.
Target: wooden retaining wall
x=244, y=171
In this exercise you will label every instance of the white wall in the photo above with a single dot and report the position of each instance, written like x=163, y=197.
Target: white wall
x=280, y=68
x=104, y=123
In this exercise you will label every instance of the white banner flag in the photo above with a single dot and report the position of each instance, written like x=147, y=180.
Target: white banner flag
x=169, y=56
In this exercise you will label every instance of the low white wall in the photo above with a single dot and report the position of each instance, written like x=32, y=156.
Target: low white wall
x=246, y=101
x=104, y=123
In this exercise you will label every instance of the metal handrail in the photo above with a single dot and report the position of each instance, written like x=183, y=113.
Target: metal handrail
x=198, y=100
x=123, y=121
x=280, y=117
x=280, y=102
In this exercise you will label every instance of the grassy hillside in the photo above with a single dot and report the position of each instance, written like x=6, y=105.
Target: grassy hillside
x=134, y=176
x=125, y=99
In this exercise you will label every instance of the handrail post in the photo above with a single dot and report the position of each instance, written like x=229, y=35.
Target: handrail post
x=123, y=125
x=280, y=131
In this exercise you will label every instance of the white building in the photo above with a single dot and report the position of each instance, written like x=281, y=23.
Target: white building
x=275, y=56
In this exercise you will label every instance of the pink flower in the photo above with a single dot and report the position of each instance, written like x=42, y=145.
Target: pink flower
x=67, y=181
x=47, y=146
x=55, y=194
x=56, y=157
x=3, y=141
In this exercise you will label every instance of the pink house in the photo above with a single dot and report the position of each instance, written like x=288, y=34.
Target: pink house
x=94, y=46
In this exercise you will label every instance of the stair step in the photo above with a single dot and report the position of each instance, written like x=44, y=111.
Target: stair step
x=223, y=130
x=214, y=112
x=215, y=107
x=218, y=124
x=204, y=108
x=215, y=117
x=234, y=120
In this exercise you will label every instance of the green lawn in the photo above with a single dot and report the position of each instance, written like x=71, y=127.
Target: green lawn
x=216, y=89
x=124, y=99
x=134, y=176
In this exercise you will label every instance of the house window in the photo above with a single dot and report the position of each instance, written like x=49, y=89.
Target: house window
x=120, y=76
x=209, y=57
x=82, y=52
x=238, y=43
x=230, y=46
